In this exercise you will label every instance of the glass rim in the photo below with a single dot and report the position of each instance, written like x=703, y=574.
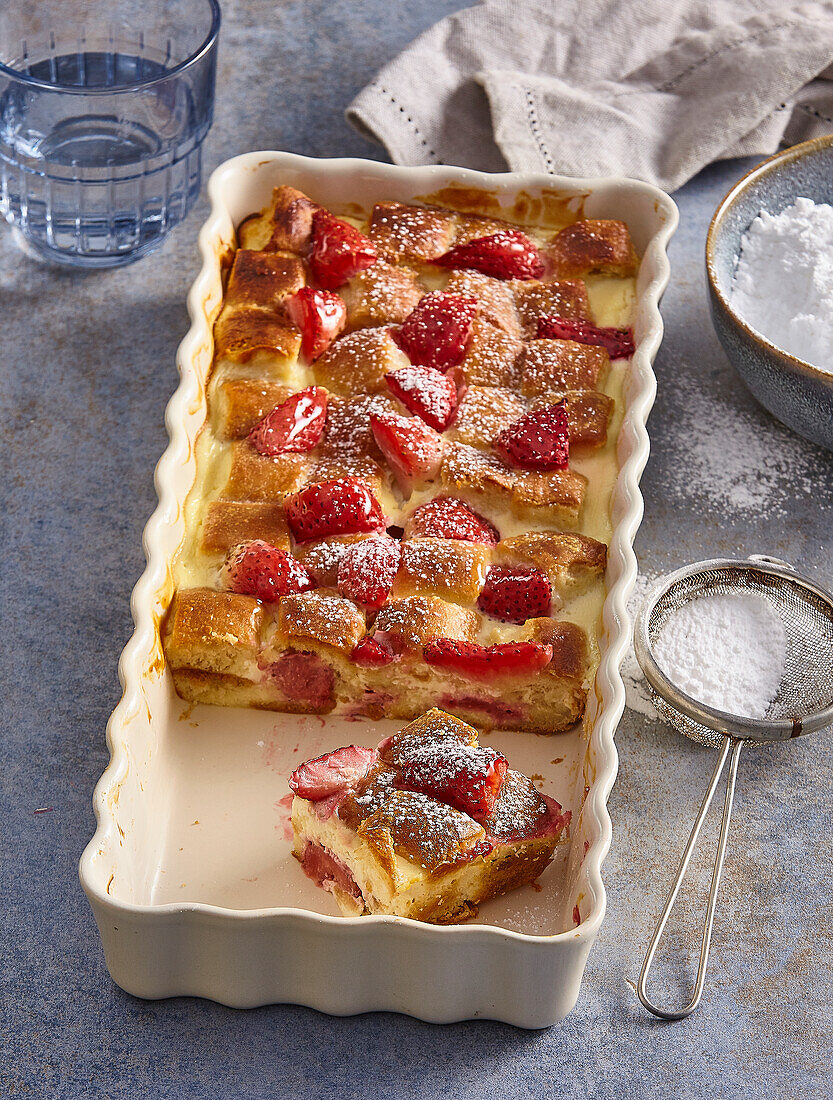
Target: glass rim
x=135, y=86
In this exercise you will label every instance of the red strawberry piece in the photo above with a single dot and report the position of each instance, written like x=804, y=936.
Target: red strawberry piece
x=436, y=333
x=258, y=569
x=515, y=595
x=426, y=393
x=342, y=507
x=539, y=440
x=331, y=773
x=618, y=341
x=372, y=653
x=449, y=518
x=295, y=426
x=413, y=450
x=466, y=777
x=304, y=678
x=320, y=315
x=339, y=250
x=508, y=254
x=367, y=569
x=482, y=662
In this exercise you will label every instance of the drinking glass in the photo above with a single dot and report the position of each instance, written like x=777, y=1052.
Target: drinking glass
x=104, y=106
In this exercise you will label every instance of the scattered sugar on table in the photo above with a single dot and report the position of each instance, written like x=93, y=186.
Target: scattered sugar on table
x=783, y=282
x=727, y=651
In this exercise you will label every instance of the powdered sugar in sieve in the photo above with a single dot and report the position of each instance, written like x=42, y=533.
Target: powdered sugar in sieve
x=734, y=651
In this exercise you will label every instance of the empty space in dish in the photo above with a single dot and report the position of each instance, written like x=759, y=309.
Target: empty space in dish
x=206, y=820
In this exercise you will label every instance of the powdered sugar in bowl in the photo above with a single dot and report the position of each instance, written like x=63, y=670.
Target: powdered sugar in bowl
x=796, y=391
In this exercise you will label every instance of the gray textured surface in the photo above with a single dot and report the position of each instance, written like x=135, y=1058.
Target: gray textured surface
x=89, y=365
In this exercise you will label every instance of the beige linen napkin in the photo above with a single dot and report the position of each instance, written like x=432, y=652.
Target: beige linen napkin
x=654, y=89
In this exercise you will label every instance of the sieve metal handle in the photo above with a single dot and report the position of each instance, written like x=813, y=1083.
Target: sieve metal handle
x=729, y=743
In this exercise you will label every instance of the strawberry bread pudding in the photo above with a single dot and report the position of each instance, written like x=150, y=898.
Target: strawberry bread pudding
x=403, y=482
x=428, y=826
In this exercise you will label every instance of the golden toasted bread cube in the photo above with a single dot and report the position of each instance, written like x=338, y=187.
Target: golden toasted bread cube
x=556, y=495
x=474, y=471
x=263, y=280
x=483, y=412
x=551, y=495
x=444, y=567
x=320, y=618
x=411, y=233
x=588, y=416
x=433, y=725
x=240, y=334
x=381, y=295
x=593, y=245
x=240, y=403
x=229, y=522
x=254, y=476
x=291, y=215
x=430, y=834
x=534, y=299
x=551, y=365
x=365, y=469
x=572, y=562
x=491, y=355
x=470, y=227
x=213, y=631
x=495, y=299
x=348, y=434
x=416, y=620
x=322, y=558
x=569, y=647
x=358, y=362
x=285, y=224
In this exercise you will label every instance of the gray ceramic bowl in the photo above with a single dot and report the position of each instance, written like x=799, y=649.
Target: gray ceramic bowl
x=798, y=394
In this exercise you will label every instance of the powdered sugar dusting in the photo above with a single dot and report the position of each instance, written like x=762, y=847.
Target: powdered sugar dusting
x=322, y=559
x=484, y=412
x=720, y=457
x=445, y=761
x=520, y=810
x=429, y=832
x=348, y=425
x=430, y=385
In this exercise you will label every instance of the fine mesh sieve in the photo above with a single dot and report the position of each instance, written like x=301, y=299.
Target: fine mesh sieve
x=804, y=701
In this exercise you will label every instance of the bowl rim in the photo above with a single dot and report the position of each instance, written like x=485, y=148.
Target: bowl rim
x=765, y=168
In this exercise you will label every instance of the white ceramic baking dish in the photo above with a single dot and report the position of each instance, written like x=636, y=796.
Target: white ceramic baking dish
x=189, y=873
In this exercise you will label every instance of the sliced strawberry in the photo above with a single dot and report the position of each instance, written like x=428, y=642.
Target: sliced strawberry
x=436, y=333
x=258, y=569
x=295, y=426
x=342, y=507
x=331, y=773
x=338, y=250
x=449, y=518
x=514, y=595
x=539, y=440
x=372, y=653
x=367, y=569
x=618, y=341
x=426, y=393
x=508, y=254
x=413, y=450
x=482, y=662
x=320, y=315
x=464, y=776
